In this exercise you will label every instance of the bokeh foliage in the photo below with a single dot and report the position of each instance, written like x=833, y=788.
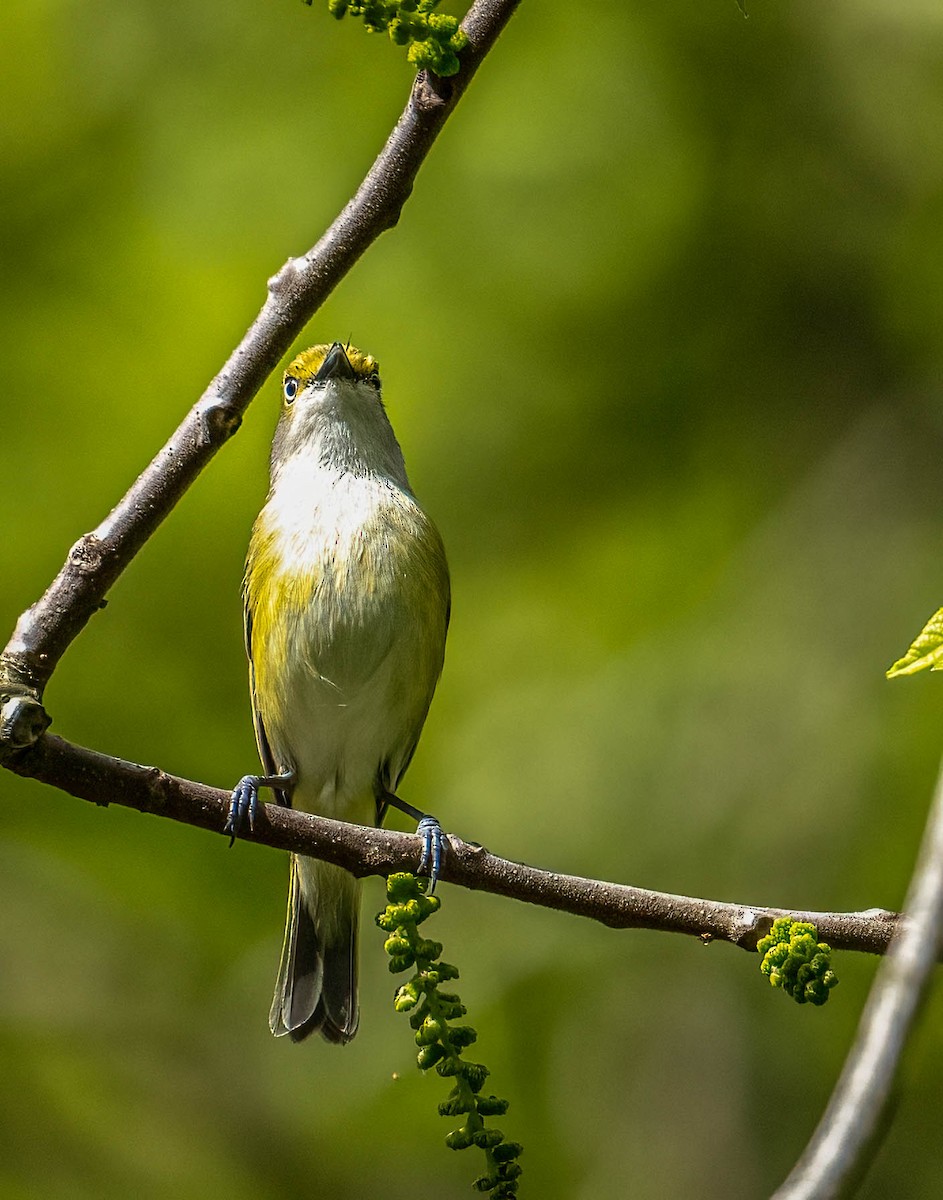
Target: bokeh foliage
x=661, y=331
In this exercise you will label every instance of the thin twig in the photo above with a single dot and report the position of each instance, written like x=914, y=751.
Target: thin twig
x=847, y=1135
x=105, y=780
x=44, y=632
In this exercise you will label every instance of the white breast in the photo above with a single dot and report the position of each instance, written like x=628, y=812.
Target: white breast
x=364, y=655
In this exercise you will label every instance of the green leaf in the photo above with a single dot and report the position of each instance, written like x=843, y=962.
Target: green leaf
x=926, y=650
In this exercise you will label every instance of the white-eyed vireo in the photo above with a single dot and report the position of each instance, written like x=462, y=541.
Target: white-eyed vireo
x=346, y=609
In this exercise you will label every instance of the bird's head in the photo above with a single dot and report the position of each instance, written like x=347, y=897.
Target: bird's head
x=332, y=409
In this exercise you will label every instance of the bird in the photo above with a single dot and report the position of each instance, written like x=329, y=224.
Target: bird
x=347, y=602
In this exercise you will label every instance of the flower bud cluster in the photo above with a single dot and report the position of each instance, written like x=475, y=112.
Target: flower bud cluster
x=796, y=962
x=434, y=39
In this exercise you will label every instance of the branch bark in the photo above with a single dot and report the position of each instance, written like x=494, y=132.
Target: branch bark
x=45, y=631
x=104, y=780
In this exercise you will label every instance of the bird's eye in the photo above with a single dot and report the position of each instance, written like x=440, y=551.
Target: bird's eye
x=374, y=379
x=291, y=390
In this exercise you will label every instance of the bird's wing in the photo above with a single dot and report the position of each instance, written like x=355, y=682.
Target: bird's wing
x=269, y=766
x=388, y=776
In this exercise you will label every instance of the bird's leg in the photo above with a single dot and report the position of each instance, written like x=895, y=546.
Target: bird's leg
x=244, y=801
x=434, y=843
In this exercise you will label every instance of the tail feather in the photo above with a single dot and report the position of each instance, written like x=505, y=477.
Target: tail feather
x=316, y=989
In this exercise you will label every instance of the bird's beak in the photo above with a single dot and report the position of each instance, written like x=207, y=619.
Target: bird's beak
x=336, y=365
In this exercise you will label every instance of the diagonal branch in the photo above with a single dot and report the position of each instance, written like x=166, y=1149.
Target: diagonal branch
x=850, y=1130
x=45, y=631
x=105, y=780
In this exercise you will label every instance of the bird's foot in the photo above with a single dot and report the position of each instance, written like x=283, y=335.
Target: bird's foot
x=244, y=801
x=434, y=846
x=434, y=841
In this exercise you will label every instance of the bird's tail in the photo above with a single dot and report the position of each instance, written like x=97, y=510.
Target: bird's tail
x=317, y=976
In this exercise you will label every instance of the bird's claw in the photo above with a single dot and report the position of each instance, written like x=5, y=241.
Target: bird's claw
x=434, y=846
x=243, y=803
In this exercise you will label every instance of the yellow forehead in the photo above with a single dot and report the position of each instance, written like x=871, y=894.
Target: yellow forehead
x=310, y=361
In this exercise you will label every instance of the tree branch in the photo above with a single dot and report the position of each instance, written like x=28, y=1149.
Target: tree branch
x=857, y=1114
x=104, y=780
x=839, y=1148
x=45, y=631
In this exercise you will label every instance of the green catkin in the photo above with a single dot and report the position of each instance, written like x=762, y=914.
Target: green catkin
x=441, y=1043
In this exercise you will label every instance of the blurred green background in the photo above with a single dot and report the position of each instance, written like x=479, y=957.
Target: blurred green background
x=661, y=332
